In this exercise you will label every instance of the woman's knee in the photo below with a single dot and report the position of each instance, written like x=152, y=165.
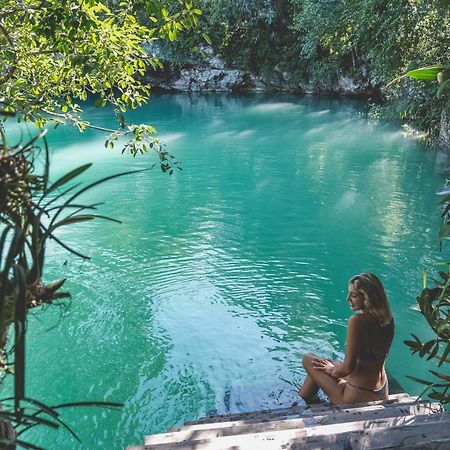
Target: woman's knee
x=308, y=359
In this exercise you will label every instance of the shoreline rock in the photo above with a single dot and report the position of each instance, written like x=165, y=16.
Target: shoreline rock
x=212, y=75
x=214, y=79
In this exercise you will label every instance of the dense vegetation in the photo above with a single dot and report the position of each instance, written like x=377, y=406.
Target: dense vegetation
x=317, y=41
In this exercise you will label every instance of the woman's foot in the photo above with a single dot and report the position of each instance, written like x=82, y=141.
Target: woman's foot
x=314, y=400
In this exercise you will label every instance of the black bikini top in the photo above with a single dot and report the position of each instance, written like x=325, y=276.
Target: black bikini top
x=374, y=333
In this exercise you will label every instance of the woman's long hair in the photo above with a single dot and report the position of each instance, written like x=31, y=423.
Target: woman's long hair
x=375, y=302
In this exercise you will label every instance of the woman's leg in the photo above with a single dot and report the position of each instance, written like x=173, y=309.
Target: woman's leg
x=308, y=390
x=333, y=387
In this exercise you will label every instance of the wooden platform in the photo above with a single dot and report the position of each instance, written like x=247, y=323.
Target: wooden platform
x=402, y=422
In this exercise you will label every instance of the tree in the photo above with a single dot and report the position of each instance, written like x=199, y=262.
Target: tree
x=382, y=40
x=56, y=53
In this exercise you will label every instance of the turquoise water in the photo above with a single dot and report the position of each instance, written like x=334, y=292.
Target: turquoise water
x=222, y=276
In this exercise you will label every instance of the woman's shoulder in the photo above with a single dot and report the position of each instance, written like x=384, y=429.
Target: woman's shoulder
x=357, y=320
x=359, y=316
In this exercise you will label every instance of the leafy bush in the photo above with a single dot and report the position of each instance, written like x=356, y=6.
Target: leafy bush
x=434, y=304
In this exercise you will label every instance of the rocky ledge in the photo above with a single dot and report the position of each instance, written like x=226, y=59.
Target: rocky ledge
x=212, y=75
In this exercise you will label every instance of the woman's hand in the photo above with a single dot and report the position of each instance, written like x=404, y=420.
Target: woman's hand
x=325, y=365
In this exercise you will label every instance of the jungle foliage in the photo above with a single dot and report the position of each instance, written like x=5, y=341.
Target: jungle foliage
x=318, y=41
x=384, y=39
x=54, y=54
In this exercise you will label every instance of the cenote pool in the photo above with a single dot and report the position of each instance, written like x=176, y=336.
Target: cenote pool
x=222, y=276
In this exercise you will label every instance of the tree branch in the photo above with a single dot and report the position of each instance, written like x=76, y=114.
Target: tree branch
x=75, y=121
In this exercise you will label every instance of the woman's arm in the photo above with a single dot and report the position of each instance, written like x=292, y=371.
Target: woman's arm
x=352, y=347
x=354, y=337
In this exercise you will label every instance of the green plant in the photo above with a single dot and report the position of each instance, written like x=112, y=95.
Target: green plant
x=434, y=304
x=32, y=210
x=56, y=53
x=439, y=73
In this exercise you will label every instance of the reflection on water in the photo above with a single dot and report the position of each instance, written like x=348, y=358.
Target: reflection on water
x=221, y=277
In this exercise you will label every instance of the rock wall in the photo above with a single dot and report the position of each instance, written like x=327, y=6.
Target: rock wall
x=212, y=75
x=217, y=79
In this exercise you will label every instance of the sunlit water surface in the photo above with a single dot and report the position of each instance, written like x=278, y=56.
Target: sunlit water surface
x=222, y=276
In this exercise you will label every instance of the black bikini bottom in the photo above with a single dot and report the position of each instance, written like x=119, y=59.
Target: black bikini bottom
x=380, y=393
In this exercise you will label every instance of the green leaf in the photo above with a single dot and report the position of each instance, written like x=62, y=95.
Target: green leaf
x=37, y=137
x=414, y=346
x=426, y=348
x=433, y=352
x=90, y=186
x=73, y=219
x=68, y=176
x=444, y=275
x=54, y=285
x=99, y=216
x=3, y=240
x=440, y=396
x=54, y=199
x=91, y=403
x=444, y=231
x=207, y=38
x=426, y=73
x=440, y=375
x=19, y=335
x=69, y=249
x=32, y=418
x=444, y=355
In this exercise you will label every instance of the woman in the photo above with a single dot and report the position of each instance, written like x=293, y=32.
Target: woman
x=361, y=376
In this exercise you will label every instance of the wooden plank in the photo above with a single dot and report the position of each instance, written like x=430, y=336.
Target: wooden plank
x=435, y=444
x=403, y=436
x=293, y=410
x=304, y=413
x=211, y=431
x=334, y=436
